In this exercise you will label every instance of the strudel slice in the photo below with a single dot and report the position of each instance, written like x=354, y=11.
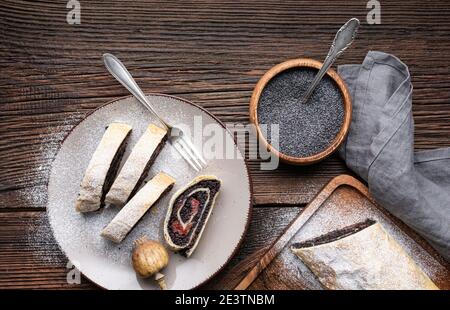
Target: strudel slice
x=133, y=211
x=136, y=166
x=102, y=168
x=361, y=256
x=188, y=213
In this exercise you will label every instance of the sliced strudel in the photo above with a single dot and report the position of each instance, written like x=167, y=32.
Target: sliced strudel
x=361, y=256
x=188, y=213
x=136, y=166
x=102, y=168
x=133, y=211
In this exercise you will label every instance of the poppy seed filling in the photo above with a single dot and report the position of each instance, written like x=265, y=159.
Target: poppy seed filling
x=190, y=212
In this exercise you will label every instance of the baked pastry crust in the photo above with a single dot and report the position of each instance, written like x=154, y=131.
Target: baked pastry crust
x=102, y=168
x=197, y=231
x=135, y=168
x=368, y=259
x=131, y=213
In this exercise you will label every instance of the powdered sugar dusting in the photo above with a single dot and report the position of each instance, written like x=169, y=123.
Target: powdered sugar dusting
x=40, y=236
x=35, y=196
x=39, y=232
x=299, y=272
x=51, y=139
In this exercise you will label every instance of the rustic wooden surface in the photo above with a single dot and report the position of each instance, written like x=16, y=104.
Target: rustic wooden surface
x=209, y=52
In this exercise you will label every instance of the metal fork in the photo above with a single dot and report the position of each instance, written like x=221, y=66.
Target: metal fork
x=177, y=137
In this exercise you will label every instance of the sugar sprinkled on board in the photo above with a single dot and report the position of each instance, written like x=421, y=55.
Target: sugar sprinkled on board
x=45, y=248
x=51, y=140
x=39, y=233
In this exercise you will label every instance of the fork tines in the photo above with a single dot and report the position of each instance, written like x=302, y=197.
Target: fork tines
x=189, y=152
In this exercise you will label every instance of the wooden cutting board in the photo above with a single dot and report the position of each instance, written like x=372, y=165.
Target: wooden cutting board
x=342, y=202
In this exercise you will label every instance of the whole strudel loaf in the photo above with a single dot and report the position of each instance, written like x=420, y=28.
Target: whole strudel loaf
x=361, y=256
x=188, y=213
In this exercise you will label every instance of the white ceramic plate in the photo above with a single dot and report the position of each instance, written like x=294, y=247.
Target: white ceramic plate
x=109, y=265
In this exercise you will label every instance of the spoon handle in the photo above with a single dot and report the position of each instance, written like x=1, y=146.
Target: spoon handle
x=343, y=39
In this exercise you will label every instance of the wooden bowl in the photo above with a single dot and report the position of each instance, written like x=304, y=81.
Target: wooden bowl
x=299, y=63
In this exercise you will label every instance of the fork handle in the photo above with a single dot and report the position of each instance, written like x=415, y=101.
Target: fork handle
x=120, y=72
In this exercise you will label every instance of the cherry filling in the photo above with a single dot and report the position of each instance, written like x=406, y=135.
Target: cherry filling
x=190, y=211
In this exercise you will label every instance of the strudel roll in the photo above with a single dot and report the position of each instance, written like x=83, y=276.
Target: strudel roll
x=102, y=168
x=361, y=256
x=136, y=167
x=135, y=209
x=188, y=213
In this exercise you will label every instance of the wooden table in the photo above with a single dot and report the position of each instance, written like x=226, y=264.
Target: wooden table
x=209, y=52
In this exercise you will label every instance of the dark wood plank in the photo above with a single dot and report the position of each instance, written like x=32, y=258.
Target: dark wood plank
x=210, y=52
x=30, y=258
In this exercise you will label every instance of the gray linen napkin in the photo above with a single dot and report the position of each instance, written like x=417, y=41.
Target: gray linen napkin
x=414, y=186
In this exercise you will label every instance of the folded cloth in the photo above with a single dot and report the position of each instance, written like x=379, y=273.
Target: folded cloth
x=415, y=187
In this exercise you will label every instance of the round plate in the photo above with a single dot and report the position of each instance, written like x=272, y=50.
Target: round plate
x=108, y=264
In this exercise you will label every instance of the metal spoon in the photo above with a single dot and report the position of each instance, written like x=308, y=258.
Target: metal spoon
x=343, y=39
